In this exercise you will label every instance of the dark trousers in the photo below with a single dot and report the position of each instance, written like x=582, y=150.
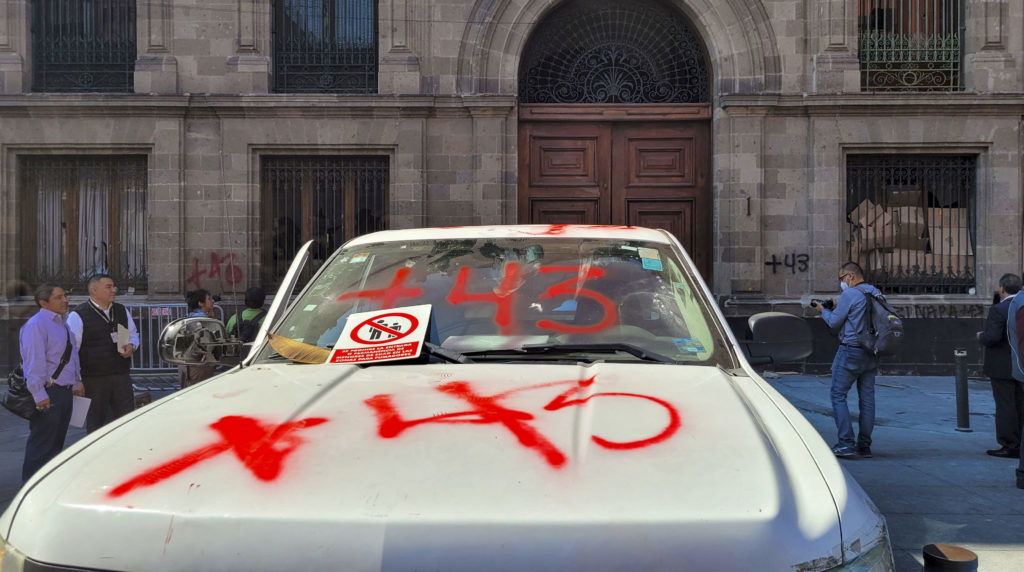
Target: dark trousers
x=1009, y=398
x=47, y=430
x=112, y=396
x=1020, y=465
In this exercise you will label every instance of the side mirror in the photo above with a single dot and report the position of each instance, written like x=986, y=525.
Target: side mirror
x=778, y=337
x=198, y=341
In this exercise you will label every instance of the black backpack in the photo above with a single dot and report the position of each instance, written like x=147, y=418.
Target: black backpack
x=884, y=333
x=247, y=329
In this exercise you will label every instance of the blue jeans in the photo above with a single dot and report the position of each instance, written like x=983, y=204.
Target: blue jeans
x=854, y=365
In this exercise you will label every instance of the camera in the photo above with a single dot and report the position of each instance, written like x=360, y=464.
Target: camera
x=827, y=304
x=216, y=297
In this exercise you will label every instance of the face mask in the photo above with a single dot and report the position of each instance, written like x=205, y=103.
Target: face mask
x=844, y=286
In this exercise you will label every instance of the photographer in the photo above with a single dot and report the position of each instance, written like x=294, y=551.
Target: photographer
x=853, y=363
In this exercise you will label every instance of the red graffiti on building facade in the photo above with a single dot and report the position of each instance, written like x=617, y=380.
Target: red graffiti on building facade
x=261, y=447
x=487, y=409
x=220, y=266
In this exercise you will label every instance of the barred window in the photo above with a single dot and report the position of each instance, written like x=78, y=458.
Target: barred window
x=326, y=199
x=82, y=215
x=912, y=221
x=911, y=45
x=83, y=45
x=327, y=46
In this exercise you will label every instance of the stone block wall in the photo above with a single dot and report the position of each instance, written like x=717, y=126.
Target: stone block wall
x=787, y=108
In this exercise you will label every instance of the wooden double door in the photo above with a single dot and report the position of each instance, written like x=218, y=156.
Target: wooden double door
x=640, y=173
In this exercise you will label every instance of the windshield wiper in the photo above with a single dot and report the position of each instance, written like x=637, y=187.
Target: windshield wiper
x=446, y=354
x=558, y=349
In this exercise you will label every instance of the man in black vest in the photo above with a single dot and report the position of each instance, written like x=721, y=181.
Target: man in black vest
x=105, y=366
x=1007, y=392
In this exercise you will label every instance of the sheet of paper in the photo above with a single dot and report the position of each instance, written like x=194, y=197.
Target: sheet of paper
x=122, y=337
x=79, y=407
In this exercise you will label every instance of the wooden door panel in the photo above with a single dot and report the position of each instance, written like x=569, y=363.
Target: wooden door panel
x=556, y=211
x=560, y=162
x=659, y=161
x=565, y=170
x=673, y=216
x=661, y=180
x=653, y=174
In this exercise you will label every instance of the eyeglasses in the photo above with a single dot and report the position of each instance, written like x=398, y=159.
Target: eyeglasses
x=843, y=276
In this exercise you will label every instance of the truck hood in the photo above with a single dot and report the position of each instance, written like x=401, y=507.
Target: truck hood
x=494, y=466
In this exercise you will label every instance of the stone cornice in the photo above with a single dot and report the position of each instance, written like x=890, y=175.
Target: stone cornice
x=369, y=106
x=271, y=105
x=875, y=104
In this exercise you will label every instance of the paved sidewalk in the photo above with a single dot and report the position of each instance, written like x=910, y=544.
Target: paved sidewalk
x=932, y=483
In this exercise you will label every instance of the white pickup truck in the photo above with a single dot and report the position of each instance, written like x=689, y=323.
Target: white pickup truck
x=549, y=397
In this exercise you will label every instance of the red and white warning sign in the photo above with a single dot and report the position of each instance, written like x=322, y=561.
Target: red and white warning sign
x=382, y=335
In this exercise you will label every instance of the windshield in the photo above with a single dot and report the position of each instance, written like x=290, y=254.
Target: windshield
x=493, y=297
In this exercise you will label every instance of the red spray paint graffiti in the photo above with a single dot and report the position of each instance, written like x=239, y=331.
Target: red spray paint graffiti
x=561, y=229
x=569, y=287
x=261, y=447
x=224, y=267
x=387, y=296
x=487, y=409
x=504, y=296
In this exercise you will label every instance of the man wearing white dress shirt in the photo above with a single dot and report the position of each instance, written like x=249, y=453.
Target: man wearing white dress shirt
x=106, y=367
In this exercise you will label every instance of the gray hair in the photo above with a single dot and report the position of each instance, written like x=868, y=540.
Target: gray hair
x=43, y=293
x=95, y=279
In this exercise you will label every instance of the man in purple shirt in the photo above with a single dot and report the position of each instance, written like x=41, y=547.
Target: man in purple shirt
x=44, y=340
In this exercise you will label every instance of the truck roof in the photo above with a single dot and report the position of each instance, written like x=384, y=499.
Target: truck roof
x=516, y=231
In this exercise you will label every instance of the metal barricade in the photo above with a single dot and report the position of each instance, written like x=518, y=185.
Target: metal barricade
x=150, y=320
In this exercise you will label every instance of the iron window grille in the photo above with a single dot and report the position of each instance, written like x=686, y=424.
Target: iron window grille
x=83, y=45
x=326, y=199
x=325, y=46
x=608, y=51
x=912, y=221
x=911, y=45
x=80, y=216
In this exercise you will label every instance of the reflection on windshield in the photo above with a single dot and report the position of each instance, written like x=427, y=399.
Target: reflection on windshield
x=490, y=294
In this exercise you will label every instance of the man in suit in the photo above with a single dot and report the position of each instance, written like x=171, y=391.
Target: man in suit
x=1007, y=392
x=106, y=363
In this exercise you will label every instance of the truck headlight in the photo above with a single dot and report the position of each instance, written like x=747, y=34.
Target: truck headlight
x=10, y=559
x=878, y=559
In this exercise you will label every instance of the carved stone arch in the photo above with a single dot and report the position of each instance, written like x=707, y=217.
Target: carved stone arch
x=737, y=34
x=614, y=52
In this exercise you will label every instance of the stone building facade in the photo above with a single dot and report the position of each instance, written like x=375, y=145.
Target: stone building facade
x=759, y=184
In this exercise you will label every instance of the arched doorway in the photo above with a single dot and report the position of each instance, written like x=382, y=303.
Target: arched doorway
x=615, y=121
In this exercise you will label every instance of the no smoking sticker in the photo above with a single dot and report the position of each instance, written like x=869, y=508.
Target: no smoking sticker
x=382, y=335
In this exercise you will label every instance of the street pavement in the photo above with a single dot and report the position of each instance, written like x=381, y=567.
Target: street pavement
x=932, y=483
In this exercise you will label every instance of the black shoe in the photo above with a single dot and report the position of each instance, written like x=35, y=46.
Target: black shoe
x=1004, y=452
x=864, y=451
